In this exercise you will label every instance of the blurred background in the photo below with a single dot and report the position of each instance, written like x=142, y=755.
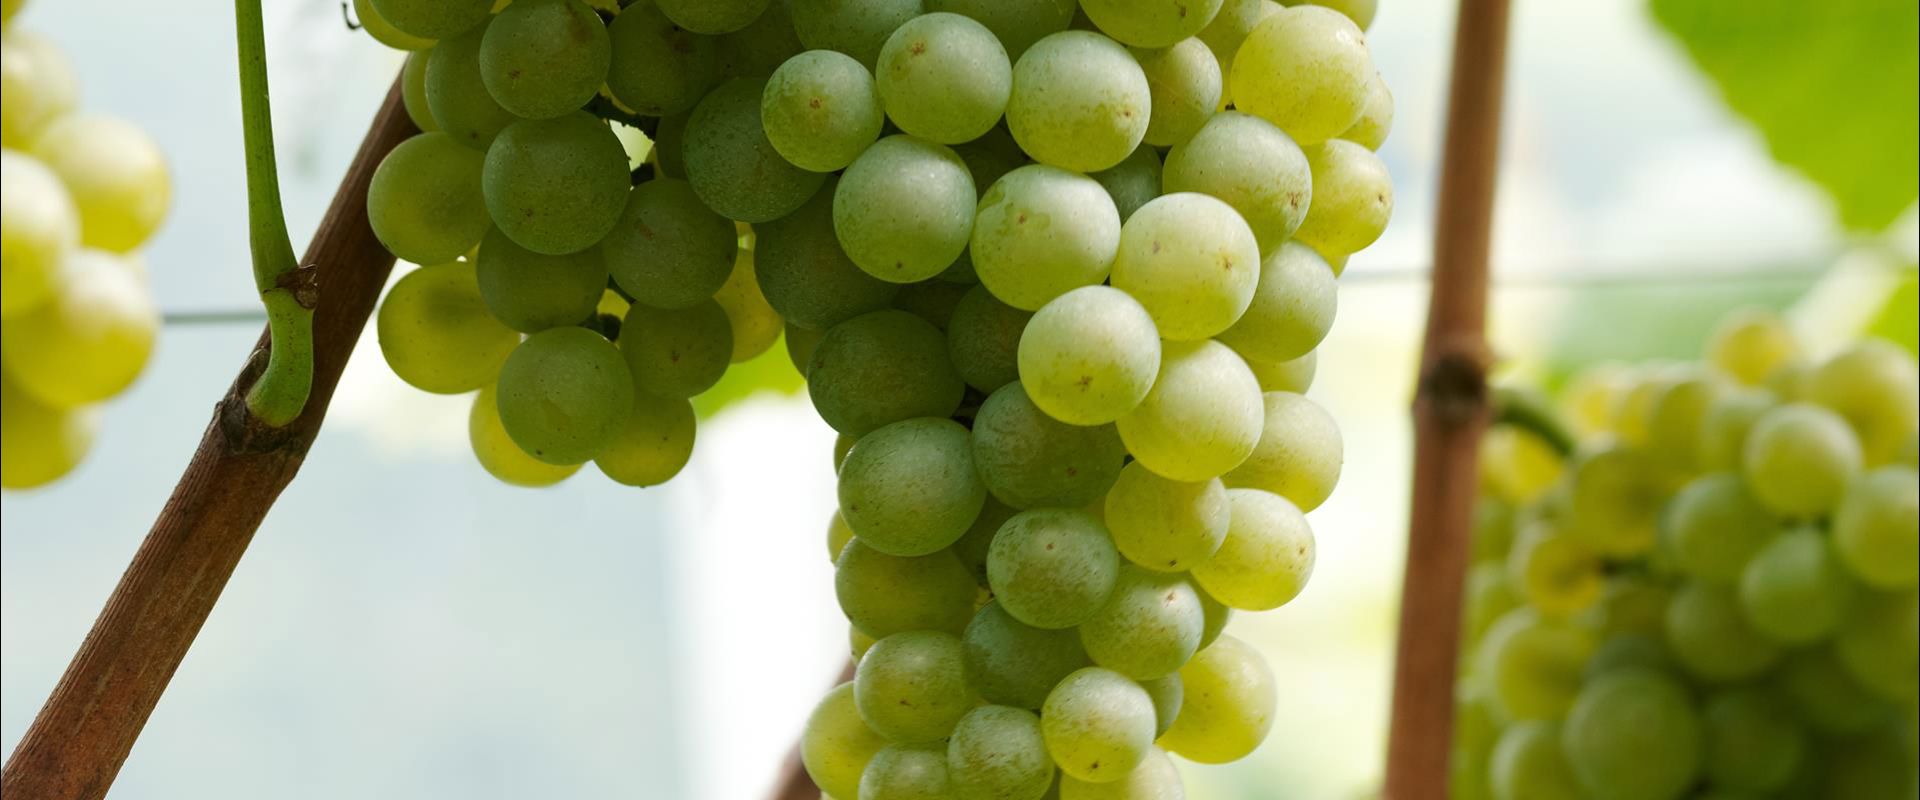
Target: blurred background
x=404, y=626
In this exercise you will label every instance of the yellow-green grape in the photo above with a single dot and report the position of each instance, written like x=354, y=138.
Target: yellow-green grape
x=883, y=595
x=1876, y=529
x=40, y=443
x=1352, y=198
x=653, y=446
x=837, y=745
x=383, y=31
x=90, y=340
x=1166, y=525
x=859, y=643
x=1533, y=665
x=1299, y=453
x=1203, y=416
x=1149, y=23
x=944, y=78
x=497, y=453
x=1529, y=763
x=1132, y=182
x=1517, y=465
x=842, y=445
x=1017, y=24
x=1376, y=119
x=1052, y=568
x=1631, y=604
x=821, y=110
x=1789, y=382
x=733, y=167
x=1875, y=386
x=557, y=185
x=1557, y=574
x=1876, y=764
x=458, y=96
x=667, y=250
x=1040, y=232
x=657, y=67
x=800, y=346
x=1799, y=459
x=1185, y=85
x=1723, y=431
x=1749, y=345
x=564, y=394
x=1615, y=500
x=1292, y=375
x=855, y=27
x=1149, y=627
x=1360, y=11
x=1795, y=591
x=1489, y=597
x=762, y=46
x=1825, y=696
x=1629, y=651
x=1634, y=733
x=436, y=334
x=912, y=687
x=1229, y=29
x=1012, y=663
x=999, y=753
x=1030, y=460
x=1306, y=70
x=1098, y=724
x=1292, y=310
x=904, y=209
x=544, y=58
x=37, y=86
x=1880, y=645
x=973, y=545
x=1678, y=414
x=1714, y=526
x=531, y=292
x=907, y=772
x=413, y=90
x=1217, y=617
x=1168, y=694
x=882, y=368
x=1191, y=261
x=713, y=16
x=1711, y=637
x=1090, y=356
x=754, y=322
x=1589, y=400
x=1267, y=555
x=39, y=231
x=983, y=339
x=433, y=19
x=1228, y=710
x=805, y=274
x=1494, y=523
x=676, y=354
x=910, y=487
x=1254, y=167
x=1079, y=101
x=115, y=174
x=838, y=534
x=1155, y=778
x=425, y=200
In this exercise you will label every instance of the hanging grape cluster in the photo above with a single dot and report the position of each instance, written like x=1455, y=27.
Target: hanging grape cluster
x=79, y=195
x=1714, y=595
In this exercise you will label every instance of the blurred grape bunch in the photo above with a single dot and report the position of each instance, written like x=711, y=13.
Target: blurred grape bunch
x=79, y=195
x=1714, y=593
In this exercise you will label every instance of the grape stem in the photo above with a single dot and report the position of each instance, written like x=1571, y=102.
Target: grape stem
x=1530, y=413
x=287, y=288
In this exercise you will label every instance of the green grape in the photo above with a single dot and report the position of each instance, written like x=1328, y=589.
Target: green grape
x=1090, y=356
x=1533, y=665
x=436, y=334
x=39, y=231
x=669, y=147
x=1799, y=459
x=912, y=686
x=1228, y=710
x=1724, y=429
x=1376, y=117
x=1825, y=696
x=1253, y=166
x=115, y=175
x=807, y=278
x=1202, y=417
x=1166, y=525
x=556, y=185
x=1711, y=637
x=1749, y=345
x=899, y=772
x=1795, y=590
x=859, y=643
x=1873, y=384
x=755, y=325
x=713, y=16
x=837, y=745
x=1634, y=734
x=1292, y=375
x=909, y=488
x=543, y=58
x=1133, y=182
x=1041, y=232
x=1352, y=198
x=1185, y=86
x=973, y=545
x=983, y=340
x=1360, y=11
x=1011, y=663
x=1029, y=460
x=1751, y=742
x=856, y=27
x=1632, y=604
x=1267, y=555
x=838, y=534
x=383, y=31
x=1634, y=406
x=1230, y=27
x=1559, y=575
x=655, y=443
x=667, y=250
x=457, y=94
x=1149, y=23
x=1079, y=102
x=498, y=454
x=756, y=50
x=676, y=354
x=433, y=19
x=656, y=67
x=999, y=753
x=90, y=340
x=800, y=345
x=1628, y=651
x=904, y=208
x=1052, y=568
x=1155, y=778
x=1615, y=499
x=1878, y=764
x=1168, y=694
x=1016, y=23
x=1489, y=597
x=1676, y=419
x=1516, y=464
x=413, y=90
x=1217, y=617
x=1530, y=764
x=37, y=86
x=880, y=368
x=944, y=78
x=933, y=301
x=1714, y=526
x=821, y=110
x=40, y=443
x=1877, y=527
x=1880, y=645
x=1098, y=725
x=1306, y=70
x=563, y=394
x=992, y=155
x=733, y=167
x=1191, y=261
x=531, y=292
x=1149, y=627
x=883, y=595
x=425, y=200
x=1494, y=526
x=1299, y=453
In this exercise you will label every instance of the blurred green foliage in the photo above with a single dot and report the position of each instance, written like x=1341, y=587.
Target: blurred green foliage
x=1899, y=320
x=770, y=371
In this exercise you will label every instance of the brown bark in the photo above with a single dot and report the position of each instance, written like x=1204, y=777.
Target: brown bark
x=1451, y=410
x=76, y=745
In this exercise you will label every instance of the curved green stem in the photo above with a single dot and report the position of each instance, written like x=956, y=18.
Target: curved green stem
x=1532, y=413
x=280, y=393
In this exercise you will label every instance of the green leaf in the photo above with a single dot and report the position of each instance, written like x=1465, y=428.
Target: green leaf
x=1831, y=84
x=1899, y=320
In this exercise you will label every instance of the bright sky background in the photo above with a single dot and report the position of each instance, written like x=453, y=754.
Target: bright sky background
x=405, y=627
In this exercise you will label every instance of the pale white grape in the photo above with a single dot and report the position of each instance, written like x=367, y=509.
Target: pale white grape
x=1267, y=555
x=1202, y=417
x=1163, y=524
x=1876, y=529
x=1229, y=704
x=903, y=210
x=1040, y=232
x=1352, y=198
x=1305, y=69
x=1098, y=725
x=1292, y=310
x=944, y=77
x=115, y=174
x=39, y=231
x=821, y=110
x=1299, y=453
x=90, y=340
x=1150, y=23
x=1191, y=261
x=436, y=333
x=1252, y=165
x=1799, y=459
x=1080, y=102
x=1185, y=85
x=37, y=86
x=837, y=745
x=1089, y=356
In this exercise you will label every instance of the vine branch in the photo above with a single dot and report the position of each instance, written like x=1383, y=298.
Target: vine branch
x=286, y=287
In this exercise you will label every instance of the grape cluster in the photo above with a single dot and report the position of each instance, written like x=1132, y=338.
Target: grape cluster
x=79, y=195
x=1714, y=596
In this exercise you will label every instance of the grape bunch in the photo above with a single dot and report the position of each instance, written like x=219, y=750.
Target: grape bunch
x=1714, y=595
x=79, y=195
